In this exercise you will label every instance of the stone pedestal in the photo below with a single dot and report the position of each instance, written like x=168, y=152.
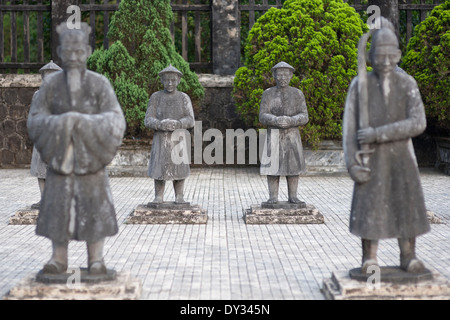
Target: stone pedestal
x=283, y=213
x=392, y=286
x=168, y=213
x=24, y=216
x=123, y=287
x=81, y=275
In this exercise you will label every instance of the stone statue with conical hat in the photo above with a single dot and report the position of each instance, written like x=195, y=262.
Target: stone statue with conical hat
x=38, y=167
x=283, y=109
x=383, y=111
x=169, y=114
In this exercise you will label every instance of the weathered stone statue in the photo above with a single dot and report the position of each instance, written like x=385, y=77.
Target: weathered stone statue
x=38, y=167
x=169, y=110
x=383, y=111
x=283, y=110
x=77, y=125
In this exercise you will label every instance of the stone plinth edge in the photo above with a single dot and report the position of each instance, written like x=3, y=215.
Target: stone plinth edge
x=342, y=287
x=259, y=215
x=24, y=216
x=143, y=214
x=124, y=287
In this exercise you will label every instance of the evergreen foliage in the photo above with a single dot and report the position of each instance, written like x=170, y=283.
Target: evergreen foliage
x=427, y=59
x=142, y=47
x=317, y=37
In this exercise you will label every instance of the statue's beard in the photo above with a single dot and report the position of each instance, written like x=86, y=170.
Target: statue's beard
x=73, y=82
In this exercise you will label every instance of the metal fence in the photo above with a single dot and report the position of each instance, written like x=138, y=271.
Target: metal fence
x=26, y=42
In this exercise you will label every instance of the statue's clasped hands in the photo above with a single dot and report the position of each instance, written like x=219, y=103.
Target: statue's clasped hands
x=169, y=125
x=284, y=122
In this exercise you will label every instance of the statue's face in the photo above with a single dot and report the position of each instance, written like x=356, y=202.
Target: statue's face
x=283, y=77
x=73, y=51
x=170, y=81
x=384, y=62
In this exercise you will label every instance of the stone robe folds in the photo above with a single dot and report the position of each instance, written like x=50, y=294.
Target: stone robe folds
x=391, y=203
x=285, y=148
x=77, y=201
x=38, y=168
x=175, y=106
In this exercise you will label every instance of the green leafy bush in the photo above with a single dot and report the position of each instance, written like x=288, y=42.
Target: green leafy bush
x=427, y=59
x=142, y=47
x=317, y=37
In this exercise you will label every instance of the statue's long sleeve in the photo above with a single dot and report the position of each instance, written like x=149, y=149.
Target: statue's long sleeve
x=413, y=125
x=266, y=118
x=151, y=121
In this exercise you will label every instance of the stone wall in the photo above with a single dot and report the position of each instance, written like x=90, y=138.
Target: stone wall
x=216, y=111
x=16, y=92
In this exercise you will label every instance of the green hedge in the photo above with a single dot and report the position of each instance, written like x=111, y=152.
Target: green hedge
x=427, y=59
x=319, y=38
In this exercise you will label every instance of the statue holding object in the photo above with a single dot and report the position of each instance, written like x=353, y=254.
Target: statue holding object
x=383, y=111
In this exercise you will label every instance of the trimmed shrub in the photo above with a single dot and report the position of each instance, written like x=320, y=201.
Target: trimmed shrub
x=142, y=46
x=317, y=37
x=427, y=59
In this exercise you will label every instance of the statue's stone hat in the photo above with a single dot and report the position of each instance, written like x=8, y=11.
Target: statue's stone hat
x=51, y=66
x=282, y=65
x=171, y=69
x=385, y=40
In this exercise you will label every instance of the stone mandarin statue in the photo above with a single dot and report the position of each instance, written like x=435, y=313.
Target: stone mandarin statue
x=169, y=110
x=77, y=125
x=283, y=110
x=383, y=111
x=38, y=167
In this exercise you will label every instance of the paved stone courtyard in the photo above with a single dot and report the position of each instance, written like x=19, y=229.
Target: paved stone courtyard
x=224, y=259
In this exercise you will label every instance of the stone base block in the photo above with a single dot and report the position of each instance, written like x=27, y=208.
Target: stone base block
x=283, y=205
x=168, y=213
x=123, y=287
x=392, y=275
x=82, y=274
x=257, y=214
x=24, y=216
x=342, y=287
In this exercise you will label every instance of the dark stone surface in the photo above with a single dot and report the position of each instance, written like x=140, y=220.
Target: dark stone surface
x=226, y=49
x=169, y=205
x=443, y=154
x=283, y=205
x=15, y=146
